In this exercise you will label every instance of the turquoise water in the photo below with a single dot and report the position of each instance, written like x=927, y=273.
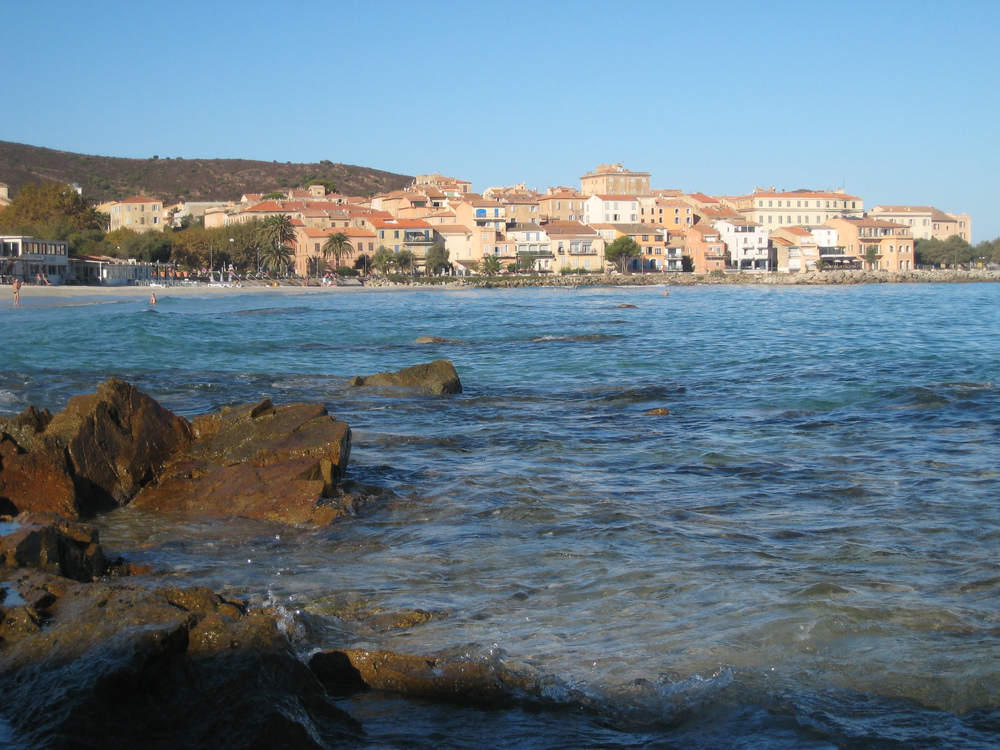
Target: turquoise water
x=802, y=554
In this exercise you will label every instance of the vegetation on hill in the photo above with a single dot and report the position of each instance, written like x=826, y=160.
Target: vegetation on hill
x=172, y=179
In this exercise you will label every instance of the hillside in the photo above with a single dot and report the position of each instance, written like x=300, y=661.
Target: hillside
x=105, y=178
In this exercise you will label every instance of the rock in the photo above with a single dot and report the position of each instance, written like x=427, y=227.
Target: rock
x=116, y=439
x=67, y=549
x=464, y=682
x=658, y=412
x=23, y=428
x=258, y=461
x=40, y=480
x=436, y=340
x=438, y=377
x=632, y=307
x=123, y=667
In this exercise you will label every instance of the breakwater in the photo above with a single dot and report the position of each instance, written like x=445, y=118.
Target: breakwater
x=816, y=278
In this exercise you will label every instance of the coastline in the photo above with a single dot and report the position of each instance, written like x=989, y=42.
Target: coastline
x=822, y=278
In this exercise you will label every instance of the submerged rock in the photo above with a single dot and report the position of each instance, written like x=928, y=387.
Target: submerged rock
x=659, y=411
x=438, y=377
x=465, y=682
x=436, y=340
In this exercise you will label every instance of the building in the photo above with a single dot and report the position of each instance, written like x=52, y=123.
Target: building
x=33, y=261
x=458, y=241
x=665, y=213
x=927, y=222
x=611, y=209
x=772, y=209
x=137, y=214
x=4, y=195
x=561, y=205
x=309, y=242
x=613, y=179
x=104, y=271
x=414, y=235
x=575, y=246
x=705, y=249
x=652, y=244
x=746, y=242
x=531, y=241
x=878, y=244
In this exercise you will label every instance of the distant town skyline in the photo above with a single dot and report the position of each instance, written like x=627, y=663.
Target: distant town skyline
x=895, y=102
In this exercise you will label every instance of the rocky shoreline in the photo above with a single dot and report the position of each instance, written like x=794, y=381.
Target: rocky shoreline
x=815, y=278
x=95, y=651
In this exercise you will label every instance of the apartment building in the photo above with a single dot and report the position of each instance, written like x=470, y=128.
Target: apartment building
x=772, y=209
x=611, y=209
x=651, y=241
x=575, y=245
x=137, y=214
x=705, y=248
x=880, y=245
x=927, y=222
x=561, y=205
x=746, y=242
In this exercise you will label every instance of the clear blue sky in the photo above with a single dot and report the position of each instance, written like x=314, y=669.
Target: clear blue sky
x=898, y=102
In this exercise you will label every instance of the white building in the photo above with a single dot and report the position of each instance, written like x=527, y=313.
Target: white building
x=33, y=261
x=611, y=209
x=746, y=242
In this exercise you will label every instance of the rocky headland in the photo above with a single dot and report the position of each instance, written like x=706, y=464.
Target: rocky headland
x=97, y=652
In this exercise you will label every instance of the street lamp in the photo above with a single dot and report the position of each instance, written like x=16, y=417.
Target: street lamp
x=231, y=246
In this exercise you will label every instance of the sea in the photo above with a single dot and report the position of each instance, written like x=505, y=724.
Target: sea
x=801, y=553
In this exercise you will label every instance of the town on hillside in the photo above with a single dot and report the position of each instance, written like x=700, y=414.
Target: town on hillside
x=613, y=222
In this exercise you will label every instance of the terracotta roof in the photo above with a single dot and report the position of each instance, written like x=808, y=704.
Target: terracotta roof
x=452, y=229
x=802, y=194
x=617, y=197
x=400, y=224
x=140, y=200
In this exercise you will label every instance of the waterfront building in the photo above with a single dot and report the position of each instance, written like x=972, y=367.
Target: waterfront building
x=927, y=222
x=309, y=242
x=878, y=244
x=27, y=259
x=613, y=179
x=705, y=248
x=4, y=195
x=746, y=242
x=414, y=235
x=458, y=241
x=651, y=242
x=530, y=240
x=103, y=271
x=138, y=214
x=575, y=245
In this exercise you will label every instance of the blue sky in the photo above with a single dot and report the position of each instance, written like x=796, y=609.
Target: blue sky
x=898, y=102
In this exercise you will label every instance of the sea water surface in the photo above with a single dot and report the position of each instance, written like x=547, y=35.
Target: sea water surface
x=802, y=554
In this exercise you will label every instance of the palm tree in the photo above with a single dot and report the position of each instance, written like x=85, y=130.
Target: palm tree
x=338, y=246
x=277, y=229
x=275, y=256
x=490, y=265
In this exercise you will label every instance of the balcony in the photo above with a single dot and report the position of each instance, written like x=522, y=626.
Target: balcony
x=417, y=238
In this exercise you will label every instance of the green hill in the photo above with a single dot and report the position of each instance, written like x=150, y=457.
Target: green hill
x=105, y=178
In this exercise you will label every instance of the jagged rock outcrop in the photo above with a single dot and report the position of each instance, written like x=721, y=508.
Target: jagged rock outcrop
x=118, y=446
x=439, y=377
x=115, y=666
x=279, y=463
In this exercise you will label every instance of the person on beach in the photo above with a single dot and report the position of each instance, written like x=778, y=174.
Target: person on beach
x=17, y=292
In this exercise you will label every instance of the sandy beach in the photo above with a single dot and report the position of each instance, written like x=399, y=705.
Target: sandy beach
x=33, y=295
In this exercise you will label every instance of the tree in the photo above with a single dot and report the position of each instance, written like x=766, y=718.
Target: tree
x=275, y=257
x=490, y=265
x=621, y=251
x=363, y=263
x=405, y=261
x=338, y=246
x=437, y=259
x=46, y=210
x=526, y=261
x=949, y=252
x=384, y=260
x=871, y=256
x=277, y=230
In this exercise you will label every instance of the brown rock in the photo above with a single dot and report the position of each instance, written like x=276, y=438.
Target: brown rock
x=68, y=549
x=438, y=377
x=40, y=480
x=117, y=440
x=258, y=461
x=121, y=667
x=465, y=682
x=435, y=340
x=658, y=412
